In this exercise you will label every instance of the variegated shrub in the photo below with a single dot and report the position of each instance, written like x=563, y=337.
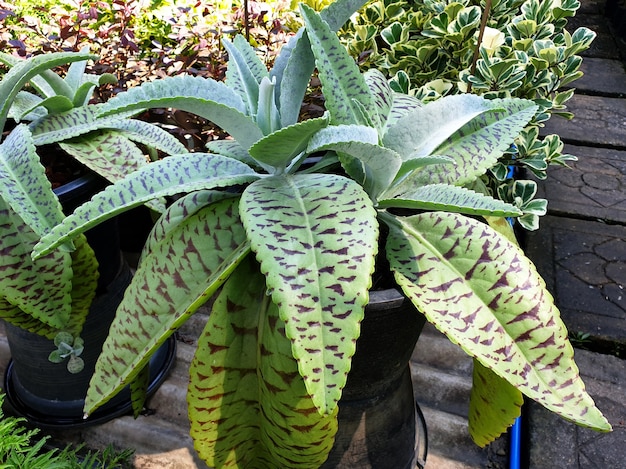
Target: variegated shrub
x=52, y=294
x=289, y=250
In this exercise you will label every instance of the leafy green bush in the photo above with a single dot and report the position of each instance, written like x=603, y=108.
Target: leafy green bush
x=21, y=448
x=140, y=39
x=427, y=48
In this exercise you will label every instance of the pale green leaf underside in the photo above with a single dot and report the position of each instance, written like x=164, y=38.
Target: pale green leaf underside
x=451, y=199
x=315, y=237
x=246, y=398
x=494, y=405
x=204, y=97
x=280, y=147
x=485, y=295
x=170, y=176
x=175, y=277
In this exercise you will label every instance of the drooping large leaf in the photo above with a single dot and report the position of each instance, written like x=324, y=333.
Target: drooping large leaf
x=451, y=199
x=150, y=135
x=315, y=237
x=25, y=187
x=342, y=82
x=248, y=405
x=484, y=294
x=175, y=277
x=204, y=97
x=170, y=176
x=494, y=405
x=108, y=153
x=41, y=289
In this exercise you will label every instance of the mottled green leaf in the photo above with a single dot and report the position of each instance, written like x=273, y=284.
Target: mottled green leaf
x=177, y=274
x=150, y=135
x=451, y=199
x=315, y=237
x=170, y=176
x=20, y=172
x=494, y=405
x=138, y=390
x=248, y=405
x=107, y=153
x=484, y=294
x=245, y=71
x=342, y=82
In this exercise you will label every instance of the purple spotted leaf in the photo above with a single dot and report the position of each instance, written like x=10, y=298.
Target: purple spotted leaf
x=178, y=272
x=494, y=405
x=169, y=176
x=248, y=405
x=25, y=187
x=342, y=82
x=483, y=293
x=45, y=295
x=451, y=199
x=316, y=238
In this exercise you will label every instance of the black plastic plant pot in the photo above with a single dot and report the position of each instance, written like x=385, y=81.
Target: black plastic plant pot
x=46, y=393
x=380, y=424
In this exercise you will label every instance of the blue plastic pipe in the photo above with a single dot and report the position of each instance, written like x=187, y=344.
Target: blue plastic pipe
x=515, y=443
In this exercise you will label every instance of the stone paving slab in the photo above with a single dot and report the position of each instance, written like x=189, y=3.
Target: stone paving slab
x=594, y=187
x=556, y=443
x=598, y=121
x=602, y=76
x=584, y=266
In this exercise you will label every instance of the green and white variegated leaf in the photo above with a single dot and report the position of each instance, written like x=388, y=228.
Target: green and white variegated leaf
x=245, y=71
x=22, y=72
x=204, y=97
x=248, y=405
x=54, y=128
x=167, y=177
x=368, y=163
x=279, y=148
x=174, y=278
x=483, y=293
x=47, y=294
x=316, y=238
x=451, y=199
x=108, y=153
x=342, y=82
x=25, y=187
x=494, y=405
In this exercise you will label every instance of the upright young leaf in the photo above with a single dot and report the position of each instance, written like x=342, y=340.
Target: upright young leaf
x=484, y=294
x=316, y=238
x=342, y=81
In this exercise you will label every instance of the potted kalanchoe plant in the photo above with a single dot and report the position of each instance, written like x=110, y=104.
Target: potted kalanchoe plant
x=289, y=251
x=58, y=308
